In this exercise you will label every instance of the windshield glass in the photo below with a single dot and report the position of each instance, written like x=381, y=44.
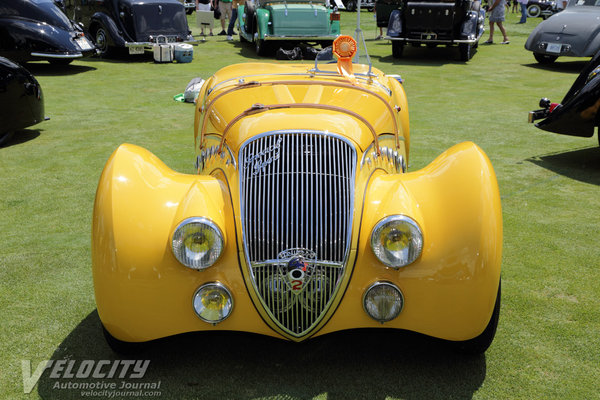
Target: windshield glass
x=167, y=19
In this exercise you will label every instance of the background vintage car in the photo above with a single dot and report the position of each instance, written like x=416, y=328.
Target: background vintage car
x=39, y=30
x=301, y=221
x=273, y=23
x=459, y=22
x=577, y=113
x=21, y=99
x=132, y=24
x=541, y=8
x=574, y=32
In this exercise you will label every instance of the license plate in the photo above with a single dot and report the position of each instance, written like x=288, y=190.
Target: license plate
x=83, y=43
x=554, y=48
x=136, y=50
x=428, y=36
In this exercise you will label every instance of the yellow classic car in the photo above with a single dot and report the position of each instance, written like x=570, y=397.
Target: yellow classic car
x=302, y=218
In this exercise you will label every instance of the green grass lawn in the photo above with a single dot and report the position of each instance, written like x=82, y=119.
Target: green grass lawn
x=548, y=341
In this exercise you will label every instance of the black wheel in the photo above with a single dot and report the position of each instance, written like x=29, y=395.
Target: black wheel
x=102, y=41
x=533, y=11
x=60, y=61
x=480, y=344
x=351, y=5
x=5, y=137
x=262, y=47
x=397, y=48
x=121, y=347
x=465, y=52
x=544, y=58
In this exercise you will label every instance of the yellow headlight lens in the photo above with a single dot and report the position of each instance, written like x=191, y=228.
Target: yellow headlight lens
x=213, y=302
x=397, y=241
x=197, y=243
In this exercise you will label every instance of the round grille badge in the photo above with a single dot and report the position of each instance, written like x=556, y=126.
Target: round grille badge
x=296, y=267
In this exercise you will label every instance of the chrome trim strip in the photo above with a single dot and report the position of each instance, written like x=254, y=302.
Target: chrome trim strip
x=54, y=55
x=300, y=37
x=368, y=78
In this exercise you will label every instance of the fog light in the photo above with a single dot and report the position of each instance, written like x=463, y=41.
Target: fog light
x=383, y=301
x=213, y=302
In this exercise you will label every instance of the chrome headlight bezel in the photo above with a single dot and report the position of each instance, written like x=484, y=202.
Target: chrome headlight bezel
x=386, y=284
x=415, y=245
x=199, y=262
x=197, y=296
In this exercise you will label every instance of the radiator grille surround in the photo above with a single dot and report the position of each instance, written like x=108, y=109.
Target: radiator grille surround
x=297, y=204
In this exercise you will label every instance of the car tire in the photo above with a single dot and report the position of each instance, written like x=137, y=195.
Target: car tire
x=5, y=137
x=465, y=51
x=262, y=47
x=397, y=48
x=533, y=11
x=479, y=344
x=544, y=58
x=350, y=5
x=101, y=38
x=121, y=347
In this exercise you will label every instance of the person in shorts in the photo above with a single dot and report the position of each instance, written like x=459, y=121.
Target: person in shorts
x=496, y=13
x=225, y=8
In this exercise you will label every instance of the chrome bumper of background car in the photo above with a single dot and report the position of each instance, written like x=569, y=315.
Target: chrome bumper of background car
x=450, y=41
x=301, y=38
x=57, y=55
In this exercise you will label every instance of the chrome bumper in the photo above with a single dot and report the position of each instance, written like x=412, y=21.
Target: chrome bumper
x=301, y=38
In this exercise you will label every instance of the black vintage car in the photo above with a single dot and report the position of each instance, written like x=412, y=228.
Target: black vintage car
x=38, y=30
x=21, y=99
x=577, y=114
x=132, y=24
x=541, y=8
x=435, y=22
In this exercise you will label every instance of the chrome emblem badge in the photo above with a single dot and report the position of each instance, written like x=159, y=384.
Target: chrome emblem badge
x=296, y=268
x=267, y=156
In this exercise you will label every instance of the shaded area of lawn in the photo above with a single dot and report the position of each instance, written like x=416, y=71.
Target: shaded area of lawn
x=359, y=364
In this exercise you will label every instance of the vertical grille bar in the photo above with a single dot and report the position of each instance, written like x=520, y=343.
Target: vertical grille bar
x=297, y=199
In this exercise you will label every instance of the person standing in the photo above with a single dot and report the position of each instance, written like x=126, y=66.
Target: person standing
x=234, y=15
x=225, y=8
x=496, y=12
x=523, y=4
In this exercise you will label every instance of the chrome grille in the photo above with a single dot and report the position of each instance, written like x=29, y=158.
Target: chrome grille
x=297, y=201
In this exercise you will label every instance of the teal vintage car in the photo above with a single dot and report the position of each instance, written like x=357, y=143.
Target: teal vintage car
x=271, y=24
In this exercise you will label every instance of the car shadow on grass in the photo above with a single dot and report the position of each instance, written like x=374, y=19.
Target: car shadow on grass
x=43, y=68
x=580, y=164
x=357, y=364
x=568, y=67
x=424, y=56
x=19, y=137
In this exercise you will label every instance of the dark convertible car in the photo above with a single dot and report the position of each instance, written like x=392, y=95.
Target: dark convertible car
x=21, y=99
x=132, y=24
x=577, y=114
x=435, y=22
x=38, y=30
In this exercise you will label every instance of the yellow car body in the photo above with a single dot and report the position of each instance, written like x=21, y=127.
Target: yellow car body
x=250, y=118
